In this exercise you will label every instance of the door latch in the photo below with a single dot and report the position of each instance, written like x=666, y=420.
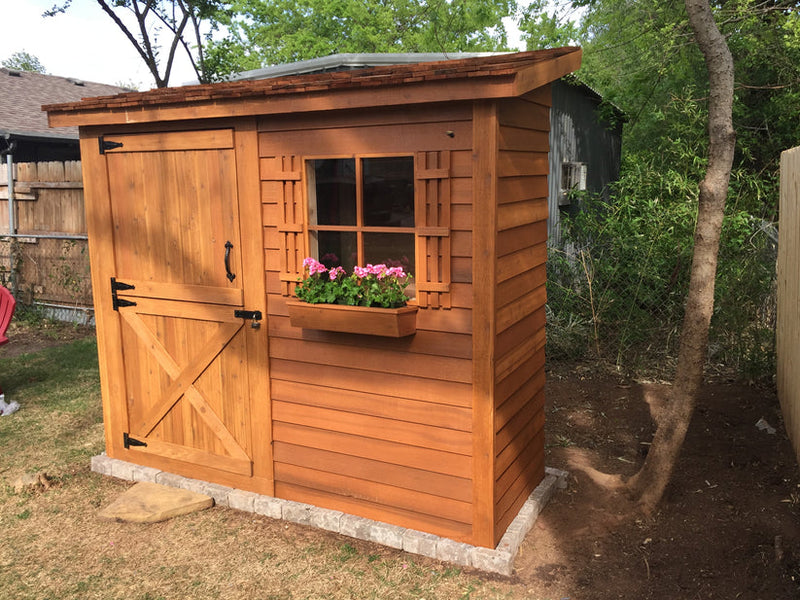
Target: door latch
x=251, y=315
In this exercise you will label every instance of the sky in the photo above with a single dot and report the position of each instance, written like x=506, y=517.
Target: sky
x=85, y=44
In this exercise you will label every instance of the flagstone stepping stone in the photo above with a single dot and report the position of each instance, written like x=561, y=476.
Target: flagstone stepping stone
x=149, y=502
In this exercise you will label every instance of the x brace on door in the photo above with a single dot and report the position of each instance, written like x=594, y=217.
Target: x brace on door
x=182, y=385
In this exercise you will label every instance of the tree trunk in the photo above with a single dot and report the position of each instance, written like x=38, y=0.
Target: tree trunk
x=673, y=420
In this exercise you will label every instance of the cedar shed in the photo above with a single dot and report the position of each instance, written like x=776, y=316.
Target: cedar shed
x=202, y=203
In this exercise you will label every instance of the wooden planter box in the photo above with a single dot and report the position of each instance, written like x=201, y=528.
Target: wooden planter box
x=386, y=322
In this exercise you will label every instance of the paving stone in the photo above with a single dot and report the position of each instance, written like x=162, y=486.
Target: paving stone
x=454, y=552
x=355, y=527
x=329, y=520
x=140, y=473
x=241, y=500
x=101, y=464
x=297, y=512
x=149, y=502
x=169, y=479
x=419, y=542
x=269, y=507
x=387, y=535
x=219, y=493
x=122, y=470
x=493, y=561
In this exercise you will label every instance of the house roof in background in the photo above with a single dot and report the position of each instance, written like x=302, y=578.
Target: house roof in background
x=22, y=94
x=485, y=76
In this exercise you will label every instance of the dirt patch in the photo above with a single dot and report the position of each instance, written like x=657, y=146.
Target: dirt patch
x=24, y=338
x=728, y=526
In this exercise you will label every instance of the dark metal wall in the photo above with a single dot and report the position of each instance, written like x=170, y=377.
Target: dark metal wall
x=579, y=133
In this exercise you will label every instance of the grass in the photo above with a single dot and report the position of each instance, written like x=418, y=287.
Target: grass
x=54, y=547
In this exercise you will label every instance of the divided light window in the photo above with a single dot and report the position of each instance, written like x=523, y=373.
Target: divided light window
x=361, y=210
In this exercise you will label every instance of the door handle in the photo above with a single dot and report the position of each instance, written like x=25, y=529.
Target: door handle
x=228, y=246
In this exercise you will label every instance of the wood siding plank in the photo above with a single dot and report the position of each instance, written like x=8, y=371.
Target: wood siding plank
x=365, y=426
x=426, y=459
x=390, y=407
x=436, y=484
x=427, y=390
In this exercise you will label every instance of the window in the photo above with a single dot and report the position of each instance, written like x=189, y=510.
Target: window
x=361, y=210
x=573, y=179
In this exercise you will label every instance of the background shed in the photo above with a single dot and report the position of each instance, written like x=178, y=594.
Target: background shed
x=200, y=212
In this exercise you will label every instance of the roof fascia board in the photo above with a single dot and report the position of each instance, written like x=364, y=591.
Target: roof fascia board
x=342, y=99
x=545, y=72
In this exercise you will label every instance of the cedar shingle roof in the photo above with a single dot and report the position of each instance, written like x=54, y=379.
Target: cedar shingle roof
x=22, y=94
x=502, y=67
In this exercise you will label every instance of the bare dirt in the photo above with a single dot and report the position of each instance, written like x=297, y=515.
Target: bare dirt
x=728, y=528
x=24, y=338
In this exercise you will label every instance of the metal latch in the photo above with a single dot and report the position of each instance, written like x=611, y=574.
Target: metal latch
x=252, y=315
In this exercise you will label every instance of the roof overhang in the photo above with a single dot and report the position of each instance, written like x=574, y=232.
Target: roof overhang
x=485, y=77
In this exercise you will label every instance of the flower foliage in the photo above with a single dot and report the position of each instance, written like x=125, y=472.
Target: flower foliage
x=373, y=285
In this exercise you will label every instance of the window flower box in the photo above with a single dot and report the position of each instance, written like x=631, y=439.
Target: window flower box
x=367, y=320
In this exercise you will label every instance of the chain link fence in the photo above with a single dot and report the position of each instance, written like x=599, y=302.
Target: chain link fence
x=617, y=295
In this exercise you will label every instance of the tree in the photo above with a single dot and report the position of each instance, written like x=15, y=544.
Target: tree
x=673, y=419
x=182, y=19
x=264, y=33
x=23, y=61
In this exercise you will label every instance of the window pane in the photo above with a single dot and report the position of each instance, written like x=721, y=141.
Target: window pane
x=391, y=249
x=336, y=248
x=389, y=191
x=332, y=191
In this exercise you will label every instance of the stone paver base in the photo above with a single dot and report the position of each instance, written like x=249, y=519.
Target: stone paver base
x=148, y=502
x=498, y=560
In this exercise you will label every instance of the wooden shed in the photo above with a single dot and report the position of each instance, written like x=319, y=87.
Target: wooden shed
x=203, y=201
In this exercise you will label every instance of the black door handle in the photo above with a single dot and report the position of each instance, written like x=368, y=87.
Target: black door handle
x=228, y=247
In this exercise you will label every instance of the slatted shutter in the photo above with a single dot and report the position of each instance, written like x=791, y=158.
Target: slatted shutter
x=432, y=209
x=291, y=219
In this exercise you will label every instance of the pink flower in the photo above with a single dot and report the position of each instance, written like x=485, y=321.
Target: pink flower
x=362, y=271
x=395, y=272
x=314, y=266
x=334, y=273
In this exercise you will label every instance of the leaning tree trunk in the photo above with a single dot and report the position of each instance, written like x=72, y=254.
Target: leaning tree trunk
x=673, y=420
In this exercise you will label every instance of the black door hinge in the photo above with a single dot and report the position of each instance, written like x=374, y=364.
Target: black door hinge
x=128, y=441
x=107, y=144
x=119, y=286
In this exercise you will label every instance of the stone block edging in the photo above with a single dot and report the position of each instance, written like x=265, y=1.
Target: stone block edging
x=498, y=560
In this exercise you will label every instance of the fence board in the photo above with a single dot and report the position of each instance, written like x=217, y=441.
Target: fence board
x=788, y=325
x=49, y=201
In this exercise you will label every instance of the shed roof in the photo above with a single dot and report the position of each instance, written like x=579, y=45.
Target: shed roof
x=22, y=94
x=494, y=76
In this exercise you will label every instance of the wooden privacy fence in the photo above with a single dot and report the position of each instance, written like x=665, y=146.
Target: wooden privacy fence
x=43, y=245
x=788, y=327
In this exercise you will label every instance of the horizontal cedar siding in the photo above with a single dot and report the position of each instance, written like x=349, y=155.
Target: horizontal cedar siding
x=520, y=299
x=373, y=426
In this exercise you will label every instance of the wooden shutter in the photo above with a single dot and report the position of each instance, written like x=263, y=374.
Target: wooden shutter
x=432, y=210
x=286, y=171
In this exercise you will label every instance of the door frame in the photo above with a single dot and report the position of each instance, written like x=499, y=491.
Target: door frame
x=108, y=322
